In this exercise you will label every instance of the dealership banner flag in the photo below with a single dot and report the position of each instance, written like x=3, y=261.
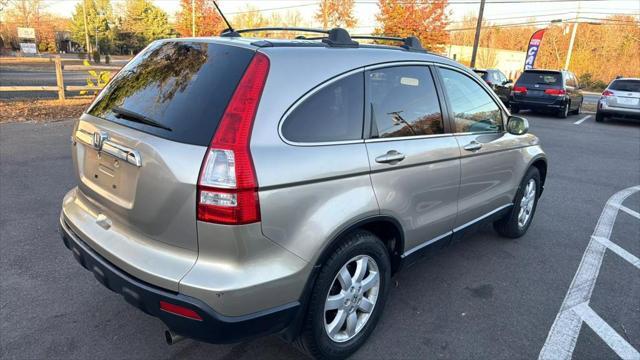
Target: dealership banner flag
x=534, y=47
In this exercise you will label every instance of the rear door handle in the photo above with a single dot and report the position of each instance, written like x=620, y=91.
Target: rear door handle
x=473, y=146
x=391, y=156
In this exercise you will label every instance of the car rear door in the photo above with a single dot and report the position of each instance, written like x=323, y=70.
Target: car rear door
x=571, y=86
x=536, y=82
x=504, y=87
x=137, y=153
x=414, y=158
x=488, y=154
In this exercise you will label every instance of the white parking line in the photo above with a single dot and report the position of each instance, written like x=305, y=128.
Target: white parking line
x=564, y=332
x=620, y=251
x=630, y=212
x=581, y=120
x=616, y=342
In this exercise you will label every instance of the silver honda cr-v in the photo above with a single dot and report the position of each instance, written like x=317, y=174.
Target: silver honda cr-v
x=234, y=187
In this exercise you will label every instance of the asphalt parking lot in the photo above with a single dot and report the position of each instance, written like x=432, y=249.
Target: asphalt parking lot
x=483, y=298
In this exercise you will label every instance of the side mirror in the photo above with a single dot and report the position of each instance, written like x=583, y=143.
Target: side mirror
x=517, y=125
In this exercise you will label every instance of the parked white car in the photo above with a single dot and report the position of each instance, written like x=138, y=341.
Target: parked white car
x=620, y=99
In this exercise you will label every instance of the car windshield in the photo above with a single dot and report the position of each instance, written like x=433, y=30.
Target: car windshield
x=540, y=77
x=625, y=85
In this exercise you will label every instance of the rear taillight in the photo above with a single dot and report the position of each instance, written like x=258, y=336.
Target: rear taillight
x=519, y=89
x=556, y=92
x=228, y=188
x=607, y=93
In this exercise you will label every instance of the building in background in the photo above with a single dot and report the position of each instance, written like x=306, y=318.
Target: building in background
x=508, y=61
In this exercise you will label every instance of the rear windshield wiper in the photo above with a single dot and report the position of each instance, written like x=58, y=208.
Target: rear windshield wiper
x=134, y=116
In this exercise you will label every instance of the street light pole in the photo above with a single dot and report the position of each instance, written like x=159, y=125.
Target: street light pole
x=476, y=40
x=573, y=39
x=86, y=30
x=193, y=18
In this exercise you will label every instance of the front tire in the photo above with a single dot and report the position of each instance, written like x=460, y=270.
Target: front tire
x=517, y=221
x=347, y=298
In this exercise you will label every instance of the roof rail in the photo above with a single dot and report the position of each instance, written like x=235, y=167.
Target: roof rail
x=236, y=33
x=337, y=37
x=410, y=43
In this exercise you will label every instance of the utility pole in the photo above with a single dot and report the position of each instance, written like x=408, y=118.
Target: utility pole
x=193, y=18
x=573, y=38
x=86, y=29
x=476, y=40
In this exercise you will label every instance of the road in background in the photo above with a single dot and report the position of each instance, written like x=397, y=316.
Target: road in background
x=483, y=298
x=37, y=78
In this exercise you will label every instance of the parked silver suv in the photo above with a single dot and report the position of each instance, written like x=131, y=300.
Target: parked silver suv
x=234, y=187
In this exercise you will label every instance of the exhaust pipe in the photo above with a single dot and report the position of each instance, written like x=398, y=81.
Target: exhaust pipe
x=172, y=338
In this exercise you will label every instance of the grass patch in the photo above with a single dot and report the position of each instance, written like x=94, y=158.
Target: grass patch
x=42, y=110
x=589, y=107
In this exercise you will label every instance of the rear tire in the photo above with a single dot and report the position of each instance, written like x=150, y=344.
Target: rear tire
x=578, y=111
x=517, y=221
x=358, y=301
x=564, y=112
x=515, y=109
x=600, y=117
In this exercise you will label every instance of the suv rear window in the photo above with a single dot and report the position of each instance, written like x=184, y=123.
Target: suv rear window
x=625, y=85
x=541, y=77
x=182, y=86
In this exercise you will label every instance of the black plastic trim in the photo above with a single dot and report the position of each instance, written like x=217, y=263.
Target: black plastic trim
x=214, y=327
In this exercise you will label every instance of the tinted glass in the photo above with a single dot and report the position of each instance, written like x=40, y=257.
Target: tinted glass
x=625, y=85
x=183, y=86
x=334, y=113
x=502, y=77
x=541, y=78
x=403, y=102
x=474, y=110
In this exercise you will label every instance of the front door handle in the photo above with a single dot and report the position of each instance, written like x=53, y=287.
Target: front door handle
x=391, y=156
x=473, y=146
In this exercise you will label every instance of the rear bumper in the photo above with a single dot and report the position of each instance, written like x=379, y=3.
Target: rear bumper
x=536, y=105
x=605, y=109
x=213, y=328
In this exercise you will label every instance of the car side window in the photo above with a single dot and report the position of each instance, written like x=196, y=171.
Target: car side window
x=496, y=78
x=403, y=102
x=473, y=109
x=333, y=113
x=503, y=78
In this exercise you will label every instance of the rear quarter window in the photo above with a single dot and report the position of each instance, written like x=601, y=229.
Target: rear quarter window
x=334, y=113
x=182, y=85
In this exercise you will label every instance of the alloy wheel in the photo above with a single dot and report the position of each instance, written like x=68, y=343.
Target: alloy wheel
x=526, y=203
x=351, y=298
